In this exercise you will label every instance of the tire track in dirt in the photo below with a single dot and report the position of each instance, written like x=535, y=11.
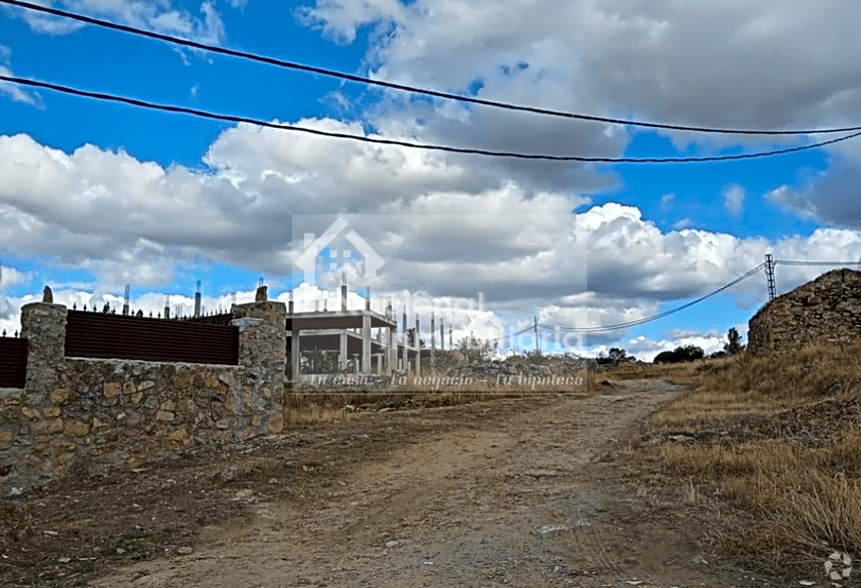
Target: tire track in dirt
x=532, y=499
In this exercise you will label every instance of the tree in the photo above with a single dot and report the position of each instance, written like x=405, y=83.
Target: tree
x=733, y=345
x=620, y=355
x=689, y=353
x=680, y=354
x=615, y=356
x=411, y=337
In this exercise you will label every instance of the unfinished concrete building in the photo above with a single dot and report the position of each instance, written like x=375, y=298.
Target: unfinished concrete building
x=361, y=341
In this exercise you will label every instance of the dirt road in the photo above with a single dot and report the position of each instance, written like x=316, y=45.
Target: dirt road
x=513, y=492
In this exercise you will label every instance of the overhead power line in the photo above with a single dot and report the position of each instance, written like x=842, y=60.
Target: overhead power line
x=399, y=143
x=522, y=331
x=642, y=321
x=822, y=263
x=407, y=88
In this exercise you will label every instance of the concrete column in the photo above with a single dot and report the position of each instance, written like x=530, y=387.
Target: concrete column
x=433, y=339
x=197, y=301
x=392, y=335
x=418, y=349
x=366, y=344
x=342, y=357
x=295, y=363
x=126, y=307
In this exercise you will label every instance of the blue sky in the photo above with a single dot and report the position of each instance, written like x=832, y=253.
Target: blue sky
x=97, y=195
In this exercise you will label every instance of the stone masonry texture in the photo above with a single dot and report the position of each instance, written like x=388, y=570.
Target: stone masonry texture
x=826, y=310
x=78, y=415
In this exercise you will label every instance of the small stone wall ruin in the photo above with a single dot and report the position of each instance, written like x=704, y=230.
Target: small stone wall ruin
x=74, y=415
x=826, y=310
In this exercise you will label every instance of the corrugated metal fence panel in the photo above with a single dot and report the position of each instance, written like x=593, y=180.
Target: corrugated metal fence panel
x=13, y=362
x=109, y=336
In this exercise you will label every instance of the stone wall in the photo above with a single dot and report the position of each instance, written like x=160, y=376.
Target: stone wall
x=79, y=415
x=826, y=310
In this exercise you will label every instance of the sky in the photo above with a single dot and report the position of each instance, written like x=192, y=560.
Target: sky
x=94, y=196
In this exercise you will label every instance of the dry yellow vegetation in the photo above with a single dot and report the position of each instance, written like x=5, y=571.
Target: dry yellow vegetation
x=777, y=439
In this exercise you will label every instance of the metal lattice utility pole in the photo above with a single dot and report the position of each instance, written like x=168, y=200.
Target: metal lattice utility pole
x=769, y=275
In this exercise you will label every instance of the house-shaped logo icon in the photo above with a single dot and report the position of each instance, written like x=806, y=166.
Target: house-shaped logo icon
x=314, y=245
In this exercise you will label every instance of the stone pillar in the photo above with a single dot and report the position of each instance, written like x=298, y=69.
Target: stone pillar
x=263, y=354
x=44, y=327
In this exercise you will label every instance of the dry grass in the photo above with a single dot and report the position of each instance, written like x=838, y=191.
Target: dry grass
x=679, y=373
x=805, y=506
x=314, y=408
x=779, y=440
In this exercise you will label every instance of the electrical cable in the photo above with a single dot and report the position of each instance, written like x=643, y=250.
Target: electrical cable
x=813, y=263
x=522, y=331
x=655, y=317
x=407, y=88
x=398, y=143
